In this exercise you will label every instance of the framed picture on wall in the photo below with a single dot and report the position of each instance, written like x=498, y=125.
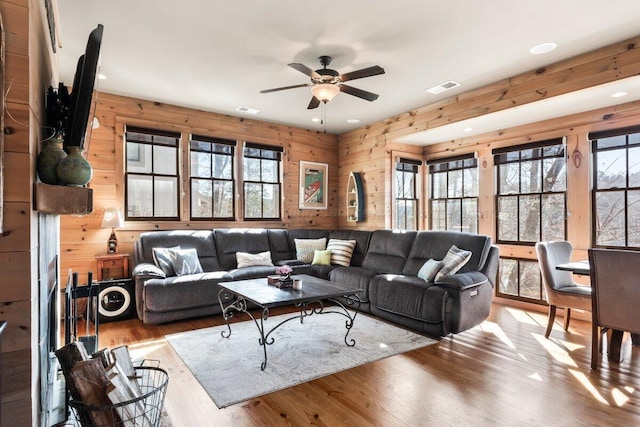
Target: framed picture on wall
x=313, y=185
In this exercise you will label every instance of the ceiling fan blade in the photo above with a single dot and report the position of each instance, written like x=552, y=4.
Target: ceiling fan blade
x=359, y=74
x=285, y=88
x=369, y=96
x=304, y=70
x=315, y=102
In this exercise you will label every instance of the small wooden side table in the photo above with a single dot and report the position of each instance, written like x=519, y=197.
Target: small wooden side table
x=112, y=266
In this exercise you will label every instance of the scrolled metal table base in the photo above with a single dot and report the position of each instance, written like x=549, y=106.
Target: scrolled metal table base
x=307, y=308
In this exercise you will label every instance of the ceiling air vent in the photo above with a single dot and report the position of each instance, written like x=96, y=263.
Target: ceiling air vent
x=443, y=87
x=247, y=110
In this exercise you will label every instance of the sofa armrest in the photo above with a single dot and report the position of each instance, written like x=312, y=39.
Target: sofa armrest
x=147, y=271
x=462, y=281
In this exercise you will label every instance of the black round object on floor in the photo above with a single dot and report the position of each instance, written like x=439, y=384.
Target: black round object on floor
x=116, y=300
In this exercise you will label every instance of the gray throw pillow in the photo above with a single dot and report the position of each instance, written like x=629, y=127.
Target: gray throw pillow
x=453, y=261
x=163, y=258
x=186, y=262
x=429, y=270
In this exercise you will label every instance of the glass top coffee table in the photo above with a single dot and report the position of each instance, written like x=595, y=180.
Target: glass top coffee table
x=310, y=300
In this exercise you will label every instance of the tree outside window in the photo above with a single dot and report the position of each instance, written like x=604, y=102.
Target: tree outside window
x=531, y=193
x=151, y=174
x=212, y=183
x=261, y=172
x=616, y=188
x=530, y=206
x=454, y=194
x=406, y=212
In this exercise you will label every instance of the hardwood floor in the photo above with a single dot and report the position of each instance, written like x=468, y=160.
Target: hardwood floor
x=503, y=372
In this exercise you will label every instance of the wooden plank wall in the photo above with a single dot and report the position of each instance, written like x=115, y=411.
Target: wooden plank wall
x=81, y=236
x=28, y=70
x=371, y=148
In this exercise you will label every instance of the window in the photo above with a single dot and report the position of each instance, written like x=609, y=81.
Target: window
x=454, y=193
x=151, y=174
x=212, y=184
x=616, y=188
x=406, y=194
x=520, y=279
x=261, y=171
x=531, y=193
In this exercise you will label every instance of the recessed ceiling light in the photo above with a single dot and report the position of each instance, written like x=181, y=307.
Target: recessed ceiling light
x=443, y=87
x=618, y=94
x=247, y=110
x=315, y=119
x=543, y=48
x=353, y=120
x=101, y=77
x=469, y=129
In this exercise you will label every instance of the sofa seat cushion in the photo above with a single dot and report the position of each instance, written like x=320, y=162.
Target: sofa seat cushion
x=181, y=292
x=357, y=276
x=409, y=296
x=319, y=271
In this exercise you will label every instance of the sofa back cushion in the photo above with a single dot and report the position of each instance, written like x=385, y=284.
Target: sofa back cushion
x=435, y=245
x=388, y=251
x=232, y=240
x=362, y=239
x=200, y=240
x=279, y=244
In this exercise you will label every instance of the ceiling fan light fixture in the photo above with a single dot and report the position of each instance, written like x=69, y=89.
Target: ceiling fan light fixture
x=325, y=92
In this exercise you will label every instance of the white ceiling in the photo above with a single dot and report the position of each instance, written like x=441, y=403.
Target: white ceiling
x=217, y=55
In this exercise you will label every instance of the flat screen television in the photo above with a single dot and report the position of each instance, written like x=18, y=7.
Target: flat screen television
x=82, y=91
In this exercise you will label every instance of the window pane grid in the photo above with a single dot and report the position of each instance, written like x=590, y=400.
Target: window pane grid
x=406, y=215
x=531, y=194
x=616, y=186
x=212, y=184
x=520, y=279
x=454, y=195
x=151, y=175
x=261, y=186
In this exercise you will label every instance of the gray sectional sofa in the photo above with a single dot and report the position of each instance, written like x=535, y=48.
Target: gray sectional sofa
x=384, y=264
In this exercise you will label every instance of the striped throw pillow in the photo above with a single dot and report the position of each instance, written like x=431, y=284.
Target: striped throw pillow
x=305, y=248
x=453, y=261
x=341, y=251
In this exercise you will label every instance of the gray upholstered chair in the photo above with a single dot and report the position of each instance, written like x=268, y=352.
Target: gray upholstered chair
x=560, y=289
x=615, y=280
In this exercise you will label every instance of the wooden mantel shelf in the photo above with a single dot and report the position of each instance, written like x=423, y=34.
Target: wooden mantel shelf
x=61, y=199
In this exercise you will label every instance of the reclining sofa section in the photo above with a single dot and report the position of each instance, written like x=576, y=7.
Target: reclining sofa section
x=385, y=265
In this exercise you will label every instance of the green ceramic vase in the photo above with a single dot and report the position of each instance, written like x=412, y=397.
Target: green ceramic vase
x=74, y=170
x=48, y=160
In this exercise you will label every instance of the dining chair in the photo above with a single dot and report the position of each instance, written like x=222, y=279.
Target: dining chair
x=560, y=289
x=615, y=280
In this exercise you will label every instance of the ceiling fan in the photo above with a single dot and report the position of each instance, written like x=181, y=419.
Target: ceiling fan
x=327, y=83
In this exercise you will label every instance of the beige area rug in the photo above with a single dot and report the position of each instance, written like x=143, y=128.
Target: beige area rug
x=229, y=368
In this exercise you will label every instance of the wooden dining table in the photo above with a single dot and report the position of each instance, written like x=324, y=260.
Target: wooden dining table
x=582, y=268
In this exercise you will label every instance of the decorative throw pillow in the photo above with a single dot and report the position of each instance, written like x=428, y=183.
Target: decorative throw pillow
x=186, y=262
x=321, y=257
x=163, y=258
x=341, y=251
x=305, y=248
x=429, y=270
x=250, y=260
x=453, y=261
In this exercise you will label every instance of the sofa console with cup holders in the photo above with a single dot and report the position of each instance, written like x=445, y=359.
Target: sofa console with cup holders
x=434, y=282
